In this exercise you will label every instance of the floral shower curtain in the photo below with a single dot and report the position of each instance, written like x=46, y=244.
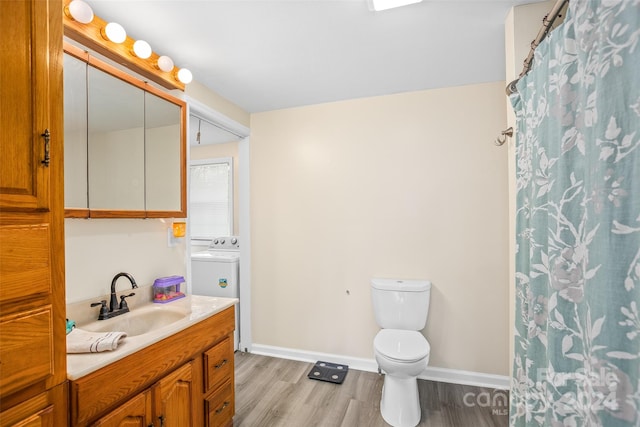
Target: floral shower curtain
x=577, y=344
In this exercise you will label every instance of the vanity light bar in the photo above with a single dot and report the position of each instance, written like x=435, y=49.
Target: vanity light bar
x=111, y=40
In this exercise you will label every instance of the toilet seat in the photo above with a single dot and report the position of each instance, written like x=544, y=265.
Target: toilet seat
x=401, y=346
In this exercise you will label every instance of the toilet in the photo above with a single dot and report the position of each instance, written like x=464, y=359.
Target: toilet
x=401, y=351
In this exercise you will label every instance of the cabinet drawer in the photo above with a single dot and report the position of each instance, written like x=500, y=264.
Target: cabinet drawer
x=37, y=411
x=220, y=406
x=134, y=412
x=218, y=363
x=26, y=348
x=42, y=418
x=25, y=263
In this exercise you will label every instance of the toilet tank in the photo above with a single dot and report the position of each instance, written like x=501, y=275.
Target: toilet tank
x=401, y=304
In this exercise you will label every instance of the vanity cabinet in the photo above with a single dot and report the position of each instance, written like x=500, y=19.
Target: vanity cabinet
x=186, y=379
x=125, y=143
x=168, y=403
x=32, y=289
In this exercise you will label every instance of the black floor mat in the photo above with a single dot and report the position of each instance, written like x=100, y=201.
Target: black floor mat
x=331, y=372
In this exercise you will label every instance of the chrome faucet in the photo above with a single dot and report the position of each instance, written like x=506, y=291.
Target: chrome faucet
x=112, y=311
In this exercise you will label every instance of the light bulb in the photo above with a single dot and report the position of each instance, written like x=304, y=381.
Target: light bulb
x=79, y=11
x=114, y=32
x=142, y=49
x=165, y=63
x=185, y=76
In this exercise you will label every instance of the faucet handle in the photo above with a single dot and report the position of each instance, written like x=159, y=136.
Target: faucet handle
x=104, y=311
x=123, y=303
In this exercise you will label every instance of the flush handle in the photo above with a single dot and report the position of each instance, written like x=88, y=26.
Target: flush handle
x=46, y=135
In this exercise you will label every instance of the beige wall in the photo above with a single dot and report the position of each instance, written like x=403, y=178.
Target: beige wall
x=212, y=151
x=217, y=103
x=98, y=249
x=400, y=186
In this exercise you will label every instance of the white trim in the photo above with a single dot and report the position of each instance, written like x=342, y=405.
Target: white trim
x=453, y=376
x=360, y=364
x=456, y=376
x=244, y=229
x=203, y=111
x=244, y=306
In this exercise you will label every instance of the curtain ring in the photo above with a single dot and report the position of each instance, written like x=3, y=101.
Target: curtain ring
x=505, y=133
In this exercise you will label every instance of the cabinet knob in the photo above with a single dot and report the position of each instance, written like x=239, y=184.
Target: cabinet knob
x=223, y=407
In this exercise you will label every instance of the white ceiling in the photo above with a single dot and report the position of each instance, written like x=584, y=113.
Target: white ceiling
x=270, y=54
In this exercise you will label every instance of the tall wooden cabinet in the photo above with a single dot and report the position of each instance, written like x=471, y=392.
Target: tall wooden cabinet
x=32, y=302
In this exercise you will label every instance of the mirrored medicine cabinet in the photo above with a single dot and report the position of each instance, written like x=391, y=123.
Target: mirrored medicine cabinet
x=125, y=143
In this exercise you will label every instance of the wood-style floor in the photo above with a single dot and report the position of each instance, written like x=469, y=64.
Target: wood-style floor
x=274, y=392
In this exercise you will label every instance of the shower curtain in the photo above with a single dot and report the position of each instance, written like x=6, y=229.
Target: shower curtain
x=577, y=343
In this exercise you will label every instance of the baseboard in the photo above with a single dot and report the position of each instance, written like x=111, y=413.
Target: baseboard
x=368, y=365
x=446, y=375
x=457, y=376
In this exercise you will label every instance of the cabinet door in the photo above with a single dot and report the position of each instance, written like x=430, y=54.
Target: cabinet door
x=135, y=413
x=32, y=333
x=75, y=134
x=25, y=80
x=174, y=398
x=115, y=143
x=164, y=164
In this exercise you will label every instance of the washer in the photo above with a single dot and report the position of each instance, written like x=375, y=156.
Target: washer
x=215, y=272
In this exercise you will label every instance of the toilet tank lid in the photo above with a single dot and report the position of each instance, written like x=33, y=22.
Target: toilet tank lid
x=401, y=285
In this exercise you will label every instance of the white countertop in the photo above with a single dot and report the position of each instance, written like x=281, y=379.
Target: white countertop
x=197, y=308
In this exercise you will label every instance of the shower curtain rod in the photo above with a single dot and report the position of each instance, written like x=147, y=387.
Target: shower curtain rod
x=547, y=22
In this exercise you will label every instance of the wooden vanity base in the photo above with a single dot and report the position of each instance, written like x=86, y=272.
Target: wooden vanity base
x=185, y=379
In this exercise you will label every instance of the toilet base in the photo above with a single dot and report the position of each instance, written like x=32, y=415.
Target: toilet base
x=400, y=402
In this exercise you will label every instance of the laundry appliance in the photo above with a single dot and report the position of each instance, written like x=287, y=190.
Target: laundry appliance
x=216, y=272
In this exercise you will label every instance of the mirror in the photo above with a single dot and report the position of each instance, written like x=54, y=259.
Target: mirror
x=75, y=133
x=162, y=129
x=115, y=143
x=125, y=144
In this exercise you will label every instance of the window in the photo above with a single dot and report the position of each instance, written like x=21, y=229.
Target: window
x=211, y=198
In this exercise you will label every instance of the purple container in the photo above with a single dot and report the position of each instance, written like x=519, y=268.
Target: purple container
x=167, y=289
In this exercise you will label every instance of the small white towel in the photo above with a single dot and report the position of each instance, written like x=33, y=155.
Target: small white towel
x=81, y=341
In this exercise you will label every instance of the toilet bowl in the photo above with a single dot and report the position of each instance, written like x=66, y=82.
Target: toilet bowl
x=402, y=355
x=400, y=349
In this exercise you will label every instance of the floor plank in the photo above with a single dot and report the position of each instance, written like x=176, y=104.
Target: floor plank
x=274, y=392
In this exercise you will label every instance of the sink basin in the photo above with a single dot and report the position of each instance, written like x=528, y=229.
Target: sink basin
x=138, y=321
